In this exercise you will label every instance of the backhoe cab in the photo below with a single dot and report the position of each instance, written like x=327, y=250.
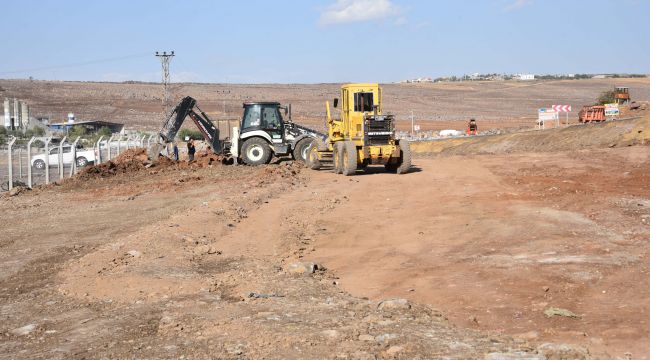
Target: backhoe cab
x=262, y=132
x=362, y=136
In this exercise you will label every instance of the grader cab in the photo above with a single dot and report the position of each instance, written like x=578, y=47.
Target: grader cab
x=363, y=135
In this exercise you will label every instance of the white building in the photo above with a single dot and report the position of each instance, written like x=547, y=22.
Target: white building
x=526, y=77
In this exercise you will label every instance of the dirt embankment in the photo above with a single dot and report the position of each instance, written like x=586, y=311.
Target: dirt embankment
x=200, y=262
x=609, y=134
x=135, y=160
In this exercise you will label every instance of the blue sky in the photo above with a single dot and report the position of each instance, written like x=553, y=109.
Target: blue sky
x=317, y=41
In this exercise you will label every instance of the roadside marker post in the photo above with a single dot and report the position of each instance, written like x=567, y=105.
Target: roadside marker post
x=563, y=109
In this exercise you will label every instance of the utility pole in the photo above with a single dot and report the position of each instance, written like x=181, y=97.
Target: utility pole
x=165, y=59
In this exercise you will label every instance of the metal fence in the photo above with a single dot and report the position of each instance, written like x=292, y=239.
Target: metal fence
x=39, y=161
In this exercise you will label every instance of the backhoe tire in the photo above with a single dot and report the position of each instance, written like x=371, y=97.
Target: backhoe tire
x=301, y=149
x=313, y=162
x=405, y=164
x=349, y=158
x=339, y=148
x=256, y=151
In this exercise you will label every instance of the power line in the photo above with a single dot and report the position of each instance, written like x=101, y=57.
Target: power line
x=165, y=59
x=91, y=62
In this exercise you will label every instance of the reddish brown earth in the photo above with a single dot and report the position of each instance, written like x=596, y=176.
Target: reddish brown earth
x=211, y=261
x=493, y=241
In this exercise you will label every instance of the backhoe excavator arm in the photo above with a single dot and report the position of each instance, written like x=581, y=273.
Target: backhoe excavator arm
x=184, y=109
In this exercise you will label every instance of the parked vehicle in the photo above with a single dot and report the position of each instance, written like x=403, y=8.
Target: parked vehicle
x=84, y=157
x=592, y=114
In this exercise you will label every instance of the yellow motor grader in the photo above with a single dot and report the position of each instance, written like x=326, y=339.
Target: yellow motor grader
x=363, y=135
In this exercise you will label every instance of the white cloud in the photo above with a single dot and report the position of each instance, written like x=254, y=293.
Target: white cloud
x=518, y=4
x=348, y=11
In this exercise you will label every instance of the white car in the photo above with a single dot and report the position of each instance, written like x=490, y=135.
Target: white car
x=84, y=157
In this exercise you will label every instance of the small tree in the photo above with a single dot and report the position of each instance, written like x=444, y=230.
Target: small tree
x=607, y=97
x=76, y=131
x=3, y=131
x=104, y=131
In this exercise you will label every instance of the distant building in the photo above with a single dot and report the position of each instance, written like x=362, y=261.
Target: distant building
x=526, y=77
x=417, y=81
x=91, y=126
x=16, y=114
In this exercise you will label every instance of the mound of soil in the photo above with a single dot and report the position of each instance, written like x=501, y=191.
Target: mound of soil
x=134, y=160
x=129, y=161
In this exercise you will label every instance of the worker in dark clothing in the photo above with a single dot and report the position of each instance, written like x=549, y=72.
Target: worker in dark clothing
x=191, y=150
x=175, y=151
x=472, y=128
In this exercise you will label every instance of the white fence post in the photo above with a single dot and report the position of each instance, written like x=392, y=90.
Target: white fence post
x=73, y=169
x=110, y=140
x=10, y=144
x=47, y=160
x=29, y=161
x=61, y=174
x=98, y=158
x=20, y=162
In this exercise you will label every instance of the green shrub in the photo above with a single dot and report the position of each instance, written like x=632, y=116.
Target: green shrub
x=76, y=131
x=39, y=131
x=104, y=131
x=607, y=97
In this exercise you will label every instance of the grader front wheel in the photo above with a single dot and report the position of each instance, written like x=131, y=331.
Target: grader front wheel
x=339, y=149
x=349, y=157
x=313, y=162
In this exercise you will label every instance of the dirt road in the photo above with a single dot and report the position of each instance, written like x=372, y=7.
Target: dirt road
x=217, y=261
x=494, y=241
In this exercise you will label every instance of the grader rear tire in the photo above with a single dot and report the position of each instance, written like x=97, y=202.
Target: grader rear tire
x=405, y=164
x=339, y=148
x=349, y=158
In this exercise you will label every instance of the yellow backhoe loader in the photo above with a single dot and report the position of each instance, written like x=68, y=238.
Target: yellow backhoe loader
x=363, y=136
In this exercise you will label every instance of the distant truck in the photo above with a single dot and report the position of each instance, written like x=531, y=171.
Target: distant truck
x=594, y=113
x=84, y=157
x=622, y=95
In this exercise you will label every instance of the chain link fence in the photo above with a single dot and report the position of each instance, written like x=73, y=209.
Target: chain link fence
x=42, y=160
